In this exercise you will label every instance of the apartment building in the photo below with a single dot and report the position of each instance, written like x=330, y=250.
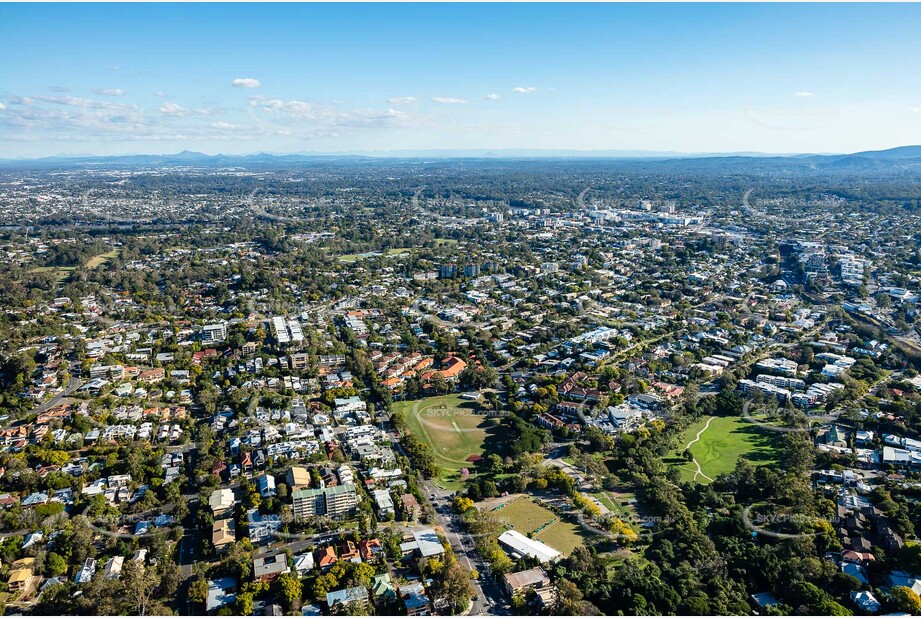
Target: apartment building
x=214, y=333
x=331, y=502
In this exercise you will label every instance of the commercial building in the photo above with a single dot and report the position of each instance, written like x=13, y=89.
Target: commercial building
x=425, y=544
x=267, y=568
x=223, y=534
x=520, y=546
x=522, y=581
x=221, y=502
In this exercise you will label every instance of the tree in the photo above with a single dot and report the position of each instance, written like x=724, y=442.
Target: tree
x=361, y=575
x=290, y=586
x=244, y=604
x=905, y=600
x=462, y=504
x=910, y=557
x=55, y=564
x=198, y=590
x=494, y=464
x=238, y=561
x=140, y=584
x=439, y=384
x=453, y=586
x=170, y=577
x=570, y=601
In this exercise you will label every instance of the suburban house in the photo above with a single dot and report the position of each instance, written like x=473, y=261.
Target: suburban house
x=347, y=595
x=522, y=581
x=221, y=502
x=267, y=568
x=223, y=534
x=20, y=574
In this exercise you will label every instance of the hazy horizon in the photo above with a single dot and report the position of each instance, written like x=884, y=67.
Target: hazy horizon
x=439, y=152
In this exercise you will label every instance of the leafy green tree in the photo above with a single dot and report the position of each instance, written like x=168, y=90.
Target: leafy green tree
x=452, y=585
x=290, y=587
x=905, y=599
x=55, y=564
x=244, y=604
x=198, y=590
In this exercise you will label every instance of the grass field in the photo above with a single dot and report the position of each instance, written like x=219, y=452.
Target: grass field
x=562, y=536
x=98, y=260
x=721, y=442
x=452, y=428
x=61, y=273
x=526, y=517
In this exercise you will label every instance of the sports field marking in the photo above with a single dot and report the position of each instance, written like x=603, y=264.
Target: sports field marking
x=415, y=411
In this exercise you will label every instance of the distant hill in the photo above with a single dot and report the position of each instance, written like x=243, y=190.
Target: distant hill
x=904, y=159
x=902, y=152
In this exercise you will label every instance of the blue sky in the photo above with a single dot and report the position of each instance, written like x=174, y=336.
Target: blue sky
x=129, y=78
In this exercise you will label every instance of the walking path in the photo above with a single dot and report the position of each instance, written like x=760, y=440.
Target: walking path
x=699, y=471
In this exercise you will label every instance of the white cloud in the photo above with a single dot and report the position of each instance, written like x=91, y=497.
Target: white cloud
x=71, y=119
x=524, y=89
x=401, y=100
x=448, y=100
x=804, y=94
x=913, y=110
x=2, y=106
x=321, y=118
x=38, y=118
x=491, y=97
x=73, y=102
x=172, y=109
x=292, y=107
x=226, y=125
x=246, y=82
x=65, y=100
x=109, y=92
x=161, y=94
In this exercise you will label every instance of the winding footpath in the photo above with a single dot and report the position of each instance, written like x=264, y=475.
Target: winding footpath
x=699, y=471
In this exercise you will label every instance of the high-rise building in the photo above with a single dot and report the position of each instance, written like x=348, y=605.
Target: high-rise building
x=329, y=501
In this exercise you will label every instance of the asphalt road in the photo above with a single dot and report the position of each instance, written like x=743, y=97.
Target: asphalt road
x=72, y=386
x=488, y=596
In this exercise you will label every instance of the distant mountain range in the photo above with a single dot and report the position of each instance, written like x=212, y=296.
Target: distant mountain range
x=901, y=158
